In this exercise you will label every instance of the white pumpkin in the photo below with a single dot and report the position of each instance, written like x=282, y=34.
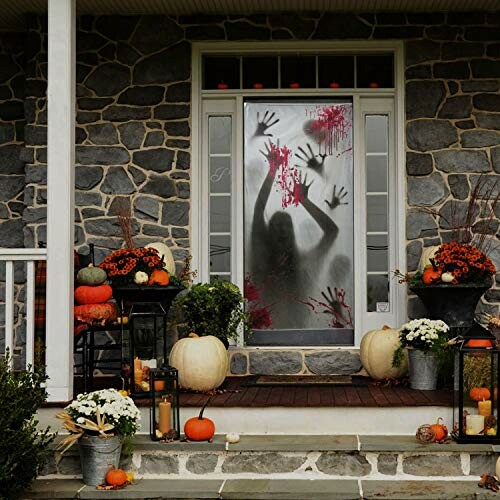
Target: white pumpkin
x=425, y=259
x=376, y=352
x=166, y=253
x=202, y=362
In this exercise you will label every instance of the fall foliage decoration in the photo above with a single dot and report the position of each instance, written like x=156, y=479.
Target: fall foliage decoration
x=200, y=428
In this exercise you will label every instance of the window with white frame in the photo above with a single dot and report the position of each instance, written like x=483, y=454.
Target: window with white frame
x=296, y=190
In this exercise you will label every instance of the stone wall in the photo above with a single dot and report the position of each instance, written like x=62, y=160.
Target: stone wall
x=133, y=119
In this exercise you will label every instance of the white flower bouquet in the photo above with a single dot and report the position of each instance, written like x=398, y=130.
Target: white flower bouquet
x=103, y=413
x=423, y=334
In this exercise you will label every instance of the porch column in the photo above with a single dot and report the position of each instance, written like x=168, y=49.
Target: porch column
x=60, y=191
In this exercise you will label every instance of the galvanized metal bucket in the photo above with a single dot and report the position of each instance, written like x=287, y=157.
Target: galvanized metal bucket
x=423, y=370
x=97, y=456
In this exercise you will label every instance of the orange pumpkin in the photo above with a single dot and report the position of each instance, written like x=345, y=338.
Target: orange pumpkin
x=479, y=343
x=199, y=428
x=93, y=294
x=159, y=277
x=479, y=393
x=431, y=275
x=96, y=313
x=116, y=477
x=440, y=430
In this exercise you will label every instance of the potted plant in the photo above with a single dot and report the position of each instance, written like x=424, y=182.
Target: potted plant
x=425, y=340
x=99, y=421
x=215, y=309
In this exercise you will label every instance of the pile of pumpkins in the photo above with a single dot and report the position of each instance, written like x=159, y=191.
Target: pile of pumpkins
x=92, y=297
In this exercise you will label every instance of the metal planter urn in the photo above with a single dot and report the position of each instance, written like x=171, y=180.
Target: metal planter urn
x=97, y=456
x=423, y=369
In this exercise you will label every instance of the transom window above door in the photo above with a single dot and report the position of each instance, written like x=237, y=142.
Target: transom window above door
x=298, y=71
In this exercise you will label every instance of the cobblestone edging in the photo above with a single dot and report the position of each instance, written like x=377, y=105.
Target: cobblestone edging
x=294, y=362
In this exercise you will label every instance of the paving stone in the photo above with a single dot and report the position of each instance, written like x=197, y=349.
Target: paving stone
x=261, y=463
x=116, y=27
x=461, y=161
x=179, y=92
x=300, y=27
x=242, y=30
x=238, y=364
x=49, y=489
x=132, y=134
x=457, y=70
x=93, y=103
x=487, y=102
x=465, y=124
x=11, y=110
x=333, y=362
x=432, y=490
x=175, y=213
x=155, y=230
x=290, y=489
x=168, y=66
x=118, y=205
x=418, y=51
x=83, y=199
x=454, y=212
x=154, y=33
x=183, y=189
x=146, y=207
x=459, y=186
x=172, y=111
x=158, y=159
x=117, y=182
x=413, y=254
x=387, y=463
x=432, y=465
x=137, y=174
x=428, y=135
x=495, y=159
x=479, y=138
x=125, y=113
x=484, y=68
x=10, y=159
x=418, y=164
x=126, y=54
x=159, y=464
x=205, y=33
x=154, y=138
x=203, y=463
x=83, y=117
x=480, y=85
x=422, y=71
x=12, y=185
x=108, y=226
x=419, y=224
x=108, y=79
x=142, y=96
x=423, y=98
x=290, y=443
x=183, y=160
x=70, y=465
x=334, y=25
x=100, y=155
x=452, y=87
x=456, y=107
x=343, y=464
x=488, y=120
x=427, y=191
x=102, y=134
x=462, y=50
x=160, y=186
x=275, y=362
x=32, y=215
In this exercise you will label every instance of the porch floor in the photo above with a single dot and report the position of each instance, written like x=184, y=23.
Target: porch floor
x=238, y=392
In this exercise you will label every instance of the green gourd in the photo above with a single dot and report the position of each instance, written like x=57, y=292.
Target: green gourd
x=91, y=276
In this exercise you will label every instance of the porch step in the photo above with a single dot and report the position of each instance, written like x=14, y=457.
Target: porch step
x=265, y=489
x=354, y=457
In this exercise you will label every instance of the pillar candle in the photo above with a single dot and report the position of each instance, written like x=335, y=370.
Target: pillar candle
x=475, y=424
x=138, y=375
x=164, y=409
x=484, y=407
x=137, y=364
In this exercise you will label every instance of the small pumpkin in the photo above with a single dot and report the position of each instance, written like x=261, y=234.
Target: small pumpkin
x=93, y=294
x=200, y=428
x=96, y=313
x=91, y=276
x=447, y=278
x=116, y=477
x=440, y=430
x=159, y=277
x=479, y=393
x=141, y=278
x=479, y=343
x=431, y=275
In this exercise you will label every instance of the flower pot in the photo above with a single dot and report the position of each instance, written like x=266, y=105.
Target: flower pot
x=423, y=369
x=97, y=456
x=453, y=304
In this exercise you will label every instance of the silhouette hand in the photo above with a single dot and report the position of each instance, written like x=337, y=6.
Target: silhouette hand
x=333, y=299
x=337, y=198
x=271, y=154
x=264, y=124
x=304, y=187
x=310, y=159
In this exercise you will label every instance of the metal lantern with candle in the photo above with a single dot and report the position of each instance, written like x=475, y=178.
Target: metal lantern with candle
x=147, y=344
x=476, y=407
x=164, y=405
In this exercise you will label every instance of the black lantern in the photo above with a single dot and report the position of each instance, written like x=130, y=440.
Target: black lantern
x=147, y=344
x=164, y=405
x=476, y=406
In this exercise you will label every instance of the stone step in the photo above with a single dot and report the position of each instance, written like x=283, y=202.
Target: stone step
x=292, y=457
x=264, y=489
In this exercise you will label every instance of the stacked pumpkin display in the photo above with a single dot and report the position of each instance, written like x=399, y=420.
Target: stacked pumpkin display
x=92, y=297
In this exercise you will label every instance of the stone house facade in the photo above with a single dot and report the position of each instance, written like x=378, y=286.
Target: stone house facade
x=134, y=123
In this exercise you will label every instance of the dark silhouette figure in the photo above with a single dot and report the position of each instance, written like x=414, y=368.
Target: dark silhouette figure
x=277, y=265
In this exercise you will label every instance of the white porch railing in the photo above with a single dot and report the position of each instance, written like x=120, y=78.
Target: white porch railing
x=11, y=256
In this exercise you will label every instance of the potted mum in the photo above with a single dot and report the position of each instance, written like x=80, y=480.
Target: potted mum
x=425, y=340
x=99, y=422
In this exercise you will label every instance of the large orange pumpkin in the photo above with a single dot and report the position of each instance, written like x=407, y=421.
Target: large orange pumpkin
x=96, y=313
x=431, y=275
x=479, y=393
x=116, y=477
x=159, y=277
x=440, y=430
x=199, y=428
x=93, y=294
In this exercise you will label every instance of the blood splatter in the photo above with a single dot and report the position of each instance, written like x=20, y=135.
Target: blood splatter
x=287, y=178
x=260, y=315
x=337, y=308
x=331, y=125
